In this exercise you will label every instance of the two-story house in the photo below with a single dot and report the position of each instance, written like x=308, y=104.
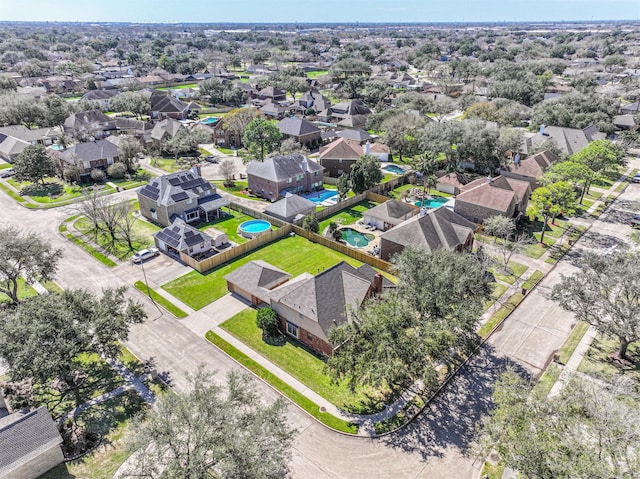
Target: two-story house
x=184, y=194
x=487, y=197
x=302, y=131
x=99, y=154
x=274, y=177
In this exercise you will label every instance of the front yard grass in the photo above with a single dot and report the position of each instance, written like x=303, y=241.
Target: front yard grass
x=500, y=315
x=104, y=259
x=291, y=356
x=161, y=300
x=517, y=270
x=598, y=363
x=348, y=216
x=41, y=195
x=170, y=165
x=24, y=291
x=295, y=255
x=572, y=341
x=302, y=401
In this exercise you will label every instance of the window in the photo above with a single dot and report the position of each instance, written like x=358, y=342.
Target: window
x=154, y=214
x=189, y=201
x=300, y=177
x=192, y=216
x=309, y=336
x=292, y=329
x=289, y=180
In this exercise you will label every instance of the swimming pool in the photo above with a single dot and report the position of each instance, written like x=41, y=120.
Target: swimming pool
x=396, y=170
x=320, y=196
x=209, y=120
x=355, y=238
x=433, y=202
x=253, y=228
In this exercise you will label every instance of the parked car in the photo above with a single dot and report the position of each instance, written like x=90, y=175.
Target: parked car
x=7, y=173
x=211, y=159
x=636, y=178
x=634, y=223
x=144, y=255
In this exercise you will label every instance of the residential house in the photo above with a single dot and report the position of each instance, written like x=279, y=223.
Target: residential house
x=569, y=140
x=272, y=110
x=181, y=238
x=389, y=214
x=11, y=147
x=340, y=155
x=165, y=130
x=184, y=194
x=29, y=444
x=300, y=130
x=487, y=197
x=313, y=100
x=308, y=306
x=624, y=122
x=451, y=183
x=90, y=124
x=102, y=97
x=530, y=169
x=276, y=176
x=355, y=134
x=291, y=208
x=254, y=281
x=351, y=114
x=98, y=154
x=15, y=138
x=133, y=127
x=272, y=93
x=432, y=230
x=630, y=108
x=163, y=106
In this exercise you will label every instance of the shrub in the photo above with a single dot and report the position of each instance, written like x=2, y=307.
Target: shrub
x=310, y=223
x=267, y=320
x=97, y=175
x=116, y=171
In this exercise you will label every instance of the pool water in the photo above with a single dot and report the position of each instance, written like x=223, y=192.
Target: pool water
x=253, y=227
x=393, y=169
x=433, y=202
x=320, y=196
x=209, y=120
x=355, y=238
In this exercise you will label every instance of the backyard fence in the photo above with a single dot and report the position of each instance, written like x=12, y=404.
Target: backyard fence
x=340, y=205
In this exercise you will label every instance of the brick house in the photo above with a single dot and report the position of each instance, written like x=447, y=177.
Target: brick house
x=434, y=229
x=99, y=154
x=530, y=169
x=487, y=197
x=29, y=444
x=308, y=306
x=340, y=155
x=300, y=130
x=184, y=194
x=164, y=105
x=274, y=177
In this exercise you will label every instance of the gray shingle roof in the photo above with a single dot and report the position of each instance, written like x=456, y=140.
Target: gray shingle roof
x=355, y=134
x=294, y=126
x=280, y=168
x=257, y=277
x=166, y=190
x=392, y=211
x=24, y=436
x=290, y=206
x=438, y=228
x=181, y=236
x=90, y=151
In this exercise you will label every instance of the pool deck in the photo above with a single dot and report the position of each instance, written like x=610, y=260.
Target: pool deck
x=360, y=227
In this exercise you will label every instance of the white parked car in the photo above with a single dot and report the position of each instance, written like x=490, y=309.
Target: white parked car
x=636, y=178
x=144, y=255
x=7, y=173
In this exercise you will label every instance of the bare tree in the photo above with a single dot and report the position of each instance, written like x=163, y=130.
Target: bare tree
x=110, y=217
x=126, y=222
x=91, y=206
x=228, y=169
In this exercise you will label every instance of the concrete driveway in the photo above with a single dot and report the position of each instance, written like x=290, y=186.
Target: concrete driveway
x=159, y=270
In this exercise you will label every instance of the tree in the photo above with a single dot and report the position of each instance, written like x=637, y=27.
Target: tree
x=117, y=171
x=509, y=140
x=499, y=226
x=125, y=222
x=33, y=164
x=584, y=431
x=400, y=133
x=343, y=185
x=431, y=319
x=504, y=229
x=222, y=92
x=8, y=85
x=129, y=149
x=334, y=231
x=578, y=174
x=25, y=255
x=212, y=431
x=135, y=102
x=291, y=147
x=261, y=137
x=185, y=142
x=551, y=201
x=55, y=110
x=228, y=170
x=20, y=110
x=42, y=337
x=267, y=320
x=365, y=173
x=605, y=293
x=238, y=119
x=600, y=156
x=310, y=223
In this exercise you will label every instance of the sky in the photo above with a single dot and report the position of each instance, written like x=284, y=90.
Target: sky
x=257, y=11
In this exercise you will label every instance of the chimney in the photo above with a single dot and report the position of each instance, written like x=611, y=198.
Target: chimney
x=542, y=129
x=196, y=170
x=377, y=283
x=367, y=147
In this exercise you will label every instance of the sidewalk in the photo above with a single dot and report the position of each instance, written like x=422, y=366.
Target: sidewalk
x=574, y=361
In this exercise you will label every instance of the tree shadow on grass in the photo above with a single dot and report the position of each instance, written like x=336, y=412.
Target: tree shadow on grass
x=451, y=419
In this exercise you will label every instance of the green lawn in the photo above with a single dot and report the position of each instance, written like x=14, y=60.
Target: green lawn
x=572, y=341
x=24, y=291
x=597, y=362
x=348, y=216
x=229, y=226
x=41, y=195
x=170, y=165
x=294, y=255
x=104, y=259
x=161, y=300
x=291, y=356
x=499, y=315
x=534, y=279
x=237, y=189
x=4, y=166
x=302, y=401
x=517, y=270
x=316, y=73
x=225, y=151
x=142, y=231
x=178, y=87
